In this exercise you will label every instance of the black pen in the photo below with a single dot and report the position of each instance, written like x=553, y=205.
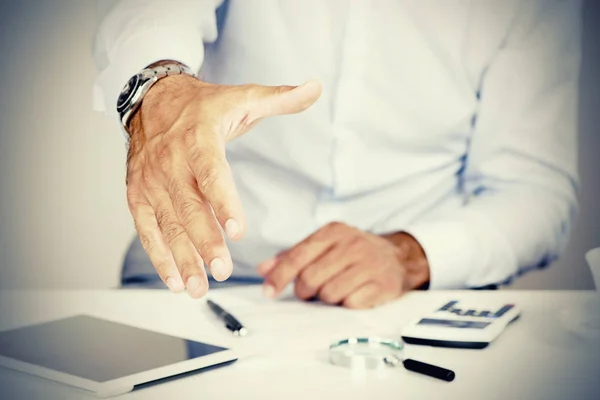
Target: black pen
x=231, y=322
x=429, y=370
x=421, y=367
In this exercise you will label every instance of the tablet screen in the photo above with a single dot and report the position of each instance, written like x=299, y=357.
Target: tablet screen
x=97, y=349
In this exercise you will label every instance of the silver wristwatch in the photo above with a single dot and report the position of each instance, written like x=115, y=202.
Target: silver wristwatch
x=133, y=93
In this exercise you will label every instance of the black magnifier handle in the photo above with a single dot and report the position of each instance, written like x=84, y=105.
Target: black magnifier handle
x=429, y=370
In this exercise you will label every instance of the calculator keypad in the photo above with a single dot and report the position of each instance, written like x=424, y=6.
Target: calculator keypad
x=451, y=307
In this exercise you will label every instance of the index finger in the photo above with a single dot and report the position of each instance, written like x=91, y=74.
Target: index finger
x=294, y=261
x=215, y=182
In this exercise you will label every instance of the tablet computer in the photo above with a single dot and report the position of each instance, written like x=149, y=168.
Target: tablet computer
x=104, y=357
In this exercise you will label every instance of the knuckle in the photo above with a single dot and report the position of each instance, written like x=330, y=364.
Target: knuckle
x=170, y=228
x=172, y=231
x=350, y=302
x=308, y=280
x=359, y=245
x=281, y=89
x=207, y=177
x=328, y=294
x=187, y=210
x=187, y=269
x=147, y=243
x=198, y=156
x=336, y=227
x=206, y=246
x=299, y=292
x=333, y=225
x=162, y=216
x=354, y=303
x=131, y=197
x=190, y=138
x=162, y=267
x=203, y=246
x=185, y=206
x=133, y=200
x=248, y=91
x=303, y=291
x=220, y=207
x=387, y=285
x=294, y=258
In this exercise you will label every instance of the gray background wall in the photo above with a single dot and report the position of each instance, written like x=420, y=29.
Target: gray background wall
x=63, y=215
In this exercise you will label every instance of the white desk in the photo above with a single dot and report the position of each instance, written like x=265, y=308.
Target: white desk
x=537, y=357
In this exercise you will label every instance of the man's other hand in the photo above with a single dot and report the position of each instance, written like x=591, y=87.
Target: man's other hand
x=340, y=264
x=180, y=188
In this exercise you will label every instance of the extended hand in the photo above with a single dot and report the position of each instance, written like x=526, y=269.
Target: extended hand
x=180, y=188
x=343, y=265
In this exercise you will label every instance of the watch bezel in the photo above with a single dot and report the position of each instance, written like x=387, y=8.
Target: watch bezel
x=131, y=87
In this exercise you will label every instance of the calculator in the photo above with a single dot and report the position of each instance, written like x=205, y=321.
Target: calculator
x=461, y=325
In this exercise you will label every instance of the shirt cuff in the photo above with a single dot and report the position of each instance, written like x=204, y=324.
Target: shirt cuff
x=463, y=251
x=137, y=52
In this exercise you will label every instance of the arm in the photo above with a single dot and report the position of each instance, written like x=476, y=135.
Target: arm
x=520, y=180
x=180, y=188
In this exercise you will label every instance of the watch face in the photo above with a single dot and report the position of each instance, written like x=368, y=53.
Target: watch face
x=128, y=92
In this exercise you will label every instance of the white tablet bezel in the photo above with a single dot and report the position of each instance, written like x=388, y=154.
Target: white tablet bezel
x=124, y=384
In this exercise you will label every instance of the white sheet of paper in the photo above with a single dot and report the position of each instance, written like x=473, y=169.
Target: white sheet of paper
x=288, y=325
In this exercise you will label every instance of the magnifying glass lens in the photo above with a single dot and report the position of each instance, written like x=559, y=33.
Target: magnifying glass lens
x=365, y=353
x=374, y=353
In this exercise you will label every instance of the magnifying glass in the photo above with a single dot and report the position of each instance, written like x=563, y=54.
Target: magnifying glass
x=372, y=353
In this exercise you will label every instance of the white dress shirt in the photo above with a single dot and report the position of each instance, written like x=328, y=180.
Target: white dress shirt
x=454, y=121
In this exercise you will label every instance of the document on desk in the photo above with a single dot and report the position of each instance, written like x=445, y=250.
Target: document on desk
x=288, y=325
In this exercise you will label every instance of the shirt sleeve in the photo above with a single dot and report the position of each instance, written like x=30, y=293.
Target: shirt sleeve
x=520, y=179
x=137, y=33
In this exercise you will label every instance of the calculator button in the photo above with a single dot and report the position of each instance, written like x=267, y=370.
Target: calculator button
x=503, y=310
x=448, y=305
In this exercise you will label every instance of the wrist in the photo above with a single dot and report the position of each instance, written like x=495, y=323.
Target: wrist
x=412, y=257
x=165, y=91
x=139, y=86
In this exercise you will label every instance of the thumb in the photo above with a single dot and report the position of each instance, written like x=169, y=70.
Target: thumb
x=279, y=100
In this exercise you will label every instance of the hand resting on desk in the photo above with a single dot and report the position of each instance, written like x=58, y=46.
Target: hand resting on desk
x=344, y=265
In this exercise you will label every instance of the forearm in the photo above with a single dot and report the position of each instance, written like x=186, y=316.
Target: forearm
x=519, y=179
